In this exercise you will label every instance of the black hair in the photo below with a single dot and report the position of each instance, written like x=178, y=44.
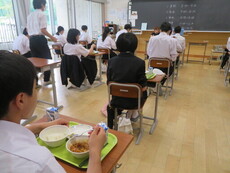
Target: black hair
x=177, y=29
x=105, y=33
x=25, y=32
x=59, y=29
x=72, y=34
x=127, y=42
x=38, y=3
x=128, y=26
x=84, y=27
x=165, y=27
x=17, y=75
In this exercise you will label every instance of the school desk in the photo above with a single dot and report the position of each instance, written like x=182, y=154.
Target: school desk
x=110, y=161
x=43, y=65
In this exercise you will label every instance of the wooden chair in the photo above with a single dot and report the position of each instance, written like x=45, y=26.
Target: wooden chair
x=164, y=63
x=106, y=51
x=16, y=52
x=125, y=90
x=56, y=49
x=84, y=43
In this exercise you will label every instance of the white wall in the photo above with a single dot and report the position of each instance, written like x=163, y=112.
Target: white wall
x=116, y=11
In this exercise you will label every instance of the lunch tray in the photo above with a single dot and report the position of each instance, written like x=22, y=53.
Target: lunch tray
x=61, y=152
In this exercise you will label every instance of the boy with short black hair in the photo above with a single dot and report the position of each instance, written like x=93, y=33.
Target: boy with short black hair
x=19, y=150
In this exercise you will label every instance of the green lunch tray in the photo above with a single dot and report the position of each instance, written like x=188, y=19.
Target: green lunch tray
x=61, y=152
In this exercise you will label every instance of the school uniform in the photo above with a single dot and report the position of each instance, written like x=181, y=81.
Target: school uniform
x=119, y=33
x=226, y=56
x=38, y=43
x=108, y=43
x=22, y=44
x=20, y=152
x=181, y=40
x=125, y=68
x=85, y=37
x=163, y=46
x=75, y=49
x=87, y=65
x=60, y=39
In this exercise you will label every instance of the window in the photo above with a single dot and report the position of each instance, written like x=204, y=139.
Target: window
x=89, y=13
x=60, y=14
x=96, y=19
x=83, y=14
x=7, y=22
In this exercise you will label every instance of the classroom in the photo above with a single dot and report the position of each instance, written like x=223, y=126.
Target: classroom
x=105, y=86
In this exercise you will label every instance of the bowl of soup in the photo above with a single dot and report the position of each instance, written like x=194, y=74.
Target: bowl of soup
x=78, y=146
x=55, y=135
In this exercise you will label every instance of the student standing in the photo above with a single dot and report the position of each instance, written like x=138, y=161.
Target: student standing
x=19, y=150
x=36, y=26
x=85, y=35
x=127, y=28
x=22, y=44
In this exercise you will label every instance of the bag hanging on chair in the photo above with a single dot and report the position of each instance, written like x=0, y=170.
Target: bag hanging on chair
x=124, y=125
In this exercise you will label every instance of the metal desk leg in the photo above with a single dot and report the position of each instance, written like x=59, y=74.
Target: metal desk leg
x=188, y=52
x=54, y=87
x=155, y=111
x=204, y=52
x=100, y=72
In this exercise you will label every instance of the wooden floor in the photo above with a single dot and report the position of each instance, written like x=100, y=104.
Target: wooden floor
x=193, y=133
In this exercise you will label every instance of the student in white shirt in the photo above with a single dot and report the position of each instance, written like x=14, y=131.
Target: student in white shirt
x=59, y=35
x=180, y=42
x=72, y=47
x=22, y=44
x=127, y=28
x=163, y=46
x=19, y=150
x=180, y=39
x=61, y=40
x=227, y=54
x=85, y=35
x=36, y=27
x=106, y=42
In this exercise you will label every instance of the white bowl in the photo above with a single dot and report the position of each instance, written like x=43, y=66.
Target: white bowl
x=73, y=140
x=55, y=135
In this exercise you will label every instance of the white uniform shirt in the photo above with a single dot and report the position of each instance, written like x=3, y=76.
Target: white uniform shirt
x=75, y=49
x=60, y=39
x=180, y=40
x=120, y=32
x=162, y=46
x=35, y=22
x=228, y=44
x=20, y=152
x=108, y=43
x=85, y=37
x=22, y=44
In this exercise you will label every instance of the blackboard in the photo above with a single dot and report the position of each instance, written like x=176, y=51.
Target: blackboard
x=204, y=15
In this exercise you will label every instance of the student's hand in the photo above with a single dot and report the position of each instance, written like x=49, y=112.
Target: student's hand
x=97, y=140
x=59, y=121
